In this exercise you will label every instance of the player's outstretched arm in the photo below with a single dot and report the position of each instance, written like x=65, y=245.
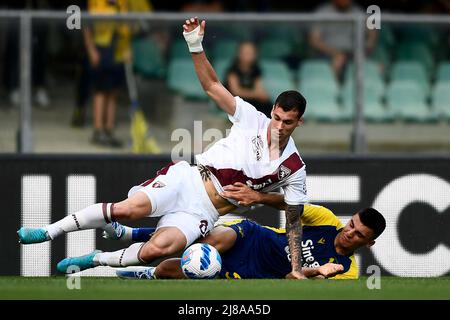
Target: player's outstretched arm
x=193, y=32
x=294, y=235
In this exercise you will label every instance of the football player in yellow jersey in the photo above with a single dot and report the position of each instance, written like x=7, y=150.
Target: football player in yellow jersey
x=250, y=250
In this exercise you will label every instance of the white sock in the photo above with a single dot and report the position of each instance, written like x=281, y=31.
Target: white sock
x=120, y=258
x=94, y=216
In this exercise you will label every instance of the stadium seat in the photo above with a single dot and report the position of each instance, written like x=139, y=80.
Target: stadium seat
x=221, y=66
x=416, y=51
x=441, y=99
x=373, y=93
x=407, y=100
x=225, y=50
x=316, y=70
x=183, y=79
x=381, y=55
x=274, y=49
x=322, y=104
x=419, y=33
x=147, y=59
x=371, y=71
x=276, y=78
x=375, y=111
x=443, y=72
x=179, y=50
x=411, y=71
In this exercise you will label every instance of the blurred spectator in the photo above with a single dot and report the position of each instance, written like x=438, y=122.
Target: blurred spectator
x=334, y=40
x=244, y=78
x=11, y=73
x=108, y=48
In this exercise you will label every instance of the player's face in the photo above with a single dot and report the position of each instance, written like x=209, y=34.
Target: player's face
x=355, y=234
x=283, y=123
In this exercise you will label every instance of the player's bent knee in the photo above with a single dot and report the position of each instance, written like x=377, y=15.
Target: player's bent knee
x=150, y=251
x=131, y=209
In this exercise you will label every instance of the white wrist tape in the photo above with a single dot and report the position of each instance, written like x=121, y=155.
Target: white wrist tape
x=194, y=40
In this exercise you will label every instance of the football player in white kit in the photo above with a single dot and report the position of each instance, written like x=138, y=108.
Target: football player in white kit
x=259, y=153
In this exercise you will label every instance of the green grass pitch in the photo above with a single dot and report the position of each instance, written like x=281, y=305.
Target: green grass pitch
x=114, y=288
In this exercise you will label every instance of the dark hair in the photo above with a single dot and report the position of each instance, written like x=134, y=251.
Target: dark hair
x=291, y=100
x=373, y=219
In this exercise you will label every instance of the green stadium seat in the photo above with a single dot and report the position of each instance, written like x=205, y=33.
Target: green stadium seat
x=375, y=111
x=147, y=59
x=182, y=78
x=411, y=71
x=374, y=89
x=316, y=70
x=221, y=67
x=441, y=99
x=274, y=49
x=419, y=33
x=276, y=78
x=407, y=100
x=225, y=50
x=179, y=50
x=381, y=55
x=288, y=33
x=386, y=37
x=416, y=51
x=322, y=104
x=443, y=72
x=371, y=71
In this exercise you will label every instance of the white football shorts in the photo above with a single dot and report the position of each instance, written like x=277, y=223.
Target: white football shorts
x=178, y=196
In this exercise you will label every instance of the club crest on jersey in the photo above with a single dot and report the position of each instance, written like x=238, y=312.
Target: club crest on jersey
x=257, y=145
x=283, y=172
x=158, y=184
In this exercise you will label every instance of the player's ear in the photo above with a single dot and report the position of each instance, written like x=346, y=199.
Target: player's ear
x=300, y=121
x=371, y=243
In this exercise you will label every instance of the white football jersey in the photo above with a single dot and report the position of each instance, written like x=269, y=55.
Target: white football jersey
x=243, y=156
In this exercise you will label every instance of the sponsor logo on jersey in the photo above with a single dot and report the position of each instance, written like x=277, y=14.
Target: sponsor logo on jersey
x=307, y=255
x=283, y=172
x=260, y=185
x=158, y=184
x=321, y=241
x=257, y=145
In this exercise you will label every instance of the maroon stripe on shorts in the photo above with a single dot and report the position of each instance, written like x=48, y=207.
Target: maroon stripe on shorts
x=160, y=172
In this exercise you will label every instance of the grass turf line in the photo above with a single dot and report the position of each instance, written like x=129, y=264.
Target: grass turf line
x=114, y=288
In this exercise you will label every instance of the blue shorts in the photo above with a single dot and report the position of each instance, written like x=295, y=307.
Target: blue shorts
x=258, y=253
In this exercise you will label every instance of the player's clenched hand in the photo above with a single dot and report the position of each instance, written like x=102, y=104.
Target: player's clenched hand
x=192, y=23
x=243, y=194
x=329, y=270
x=193, y=32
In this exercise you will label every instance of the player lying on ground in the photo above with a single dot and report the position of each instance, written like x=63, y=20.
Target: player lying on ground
x=249, y=250
x=258, y=152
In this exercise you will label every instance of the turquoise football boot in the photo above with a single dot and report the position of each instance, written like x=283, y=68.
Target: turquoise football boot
x=77, y=264
x=32, y=235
